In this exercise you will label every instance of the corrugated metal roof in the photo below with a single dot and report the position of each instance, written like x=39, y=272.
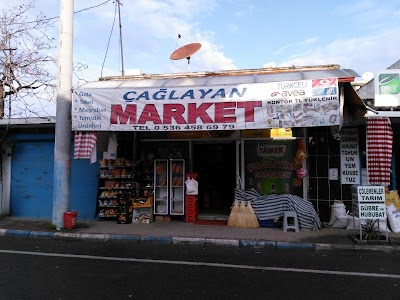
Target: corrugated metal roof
x=224, y=77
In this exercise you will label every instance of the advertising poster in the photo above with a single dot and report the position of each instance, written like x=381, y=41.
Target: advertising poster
x=285, y=104
x=269, y=166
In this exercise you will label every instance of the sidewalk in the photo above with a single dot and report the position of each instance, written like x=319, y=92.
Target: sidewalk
x=179, y=232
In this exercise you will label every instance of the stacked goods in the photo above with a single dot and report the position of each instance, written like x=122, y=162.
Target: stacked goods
x=177, y=180
x=177, y=167
x=191, y=208
x=124, y=209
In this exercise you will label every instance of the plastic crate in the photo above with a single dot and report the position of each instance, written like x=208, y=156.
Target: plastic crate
x=267, y=223
x=190, y=198
x=191, y=218
x=194, y=211
x=191, y=205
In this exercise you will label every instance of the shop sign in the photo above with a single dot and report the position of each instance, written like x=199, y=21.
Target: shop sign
x=269, y=151
x=303, y=103
x=387, y=88
x=269, y=173
x=369, y=202
x=349, y=157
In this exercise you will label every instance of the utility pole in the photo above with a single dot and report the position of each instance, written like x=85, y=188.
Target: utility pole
x=62, y=147
x=120, y=38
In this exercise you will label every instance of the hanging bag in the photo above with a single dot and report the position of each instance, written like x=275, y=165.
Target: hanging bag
x=192, y=186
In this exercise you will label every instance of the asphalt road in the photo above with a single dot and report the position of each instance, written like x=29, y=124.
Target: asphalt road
x=55, y=269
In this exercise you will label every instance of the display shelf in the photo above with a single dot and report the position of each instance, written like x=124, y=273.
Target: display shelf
x=177, y=187
x=160, y=187
x=118, y=178
x=108, y=216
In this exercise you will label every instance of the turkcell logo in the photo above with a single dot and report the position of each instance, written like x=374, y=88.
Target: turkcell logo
x=389, y=84
x=325, y=91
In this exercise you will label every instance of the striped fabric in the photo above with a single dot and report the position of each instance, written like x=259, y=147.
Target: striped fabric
x=269, y=207
x=84, y=143
x=379, y=150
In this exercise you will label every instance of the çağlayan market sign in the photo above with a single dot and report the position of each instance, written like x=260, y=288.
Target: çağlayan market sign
x=303, y=103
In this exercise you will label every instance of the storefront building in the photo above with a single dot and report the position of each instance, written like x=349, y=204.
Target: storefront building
x=234, y=129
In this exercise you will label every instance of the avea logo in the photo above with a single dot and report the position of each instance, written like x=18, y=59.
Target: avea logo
x=285, y=94
x=275, y=94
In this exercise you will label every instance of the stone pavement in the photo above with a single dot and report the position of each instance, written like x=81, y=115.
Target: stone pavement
x=179, y=232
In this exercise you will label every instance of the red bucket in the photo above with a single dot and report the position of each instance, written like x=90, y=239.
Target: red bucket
x=70, y=219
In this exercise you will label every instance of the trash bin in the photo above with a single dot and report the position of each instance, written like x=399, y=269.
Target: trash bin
x=70, y=219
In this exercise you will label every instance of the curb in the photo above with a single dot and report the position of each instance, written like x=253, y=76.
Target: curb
x=188, y=241
x=295, y=246
x=161, y=240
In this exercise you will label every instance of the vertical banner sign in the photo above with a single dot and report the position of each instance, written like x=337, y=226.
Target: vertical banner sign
x=349, y=157
x=302, y=103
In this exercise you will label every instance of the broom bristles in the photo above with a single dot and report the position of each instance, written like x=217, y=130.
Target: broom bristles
x=242, y=215
x=254, y=220
x=233, y=217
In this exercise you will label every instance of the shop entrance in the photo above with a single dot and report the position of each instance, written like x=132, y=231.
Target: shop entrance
x=216, y=165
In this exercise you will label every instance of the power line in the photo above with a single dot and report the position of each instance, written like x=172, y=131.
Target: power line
x=57, y=17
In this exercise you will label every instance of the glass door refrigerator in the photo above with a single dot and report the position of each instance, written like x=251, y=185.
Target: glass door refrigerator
x=161, y=184
x=177, y=187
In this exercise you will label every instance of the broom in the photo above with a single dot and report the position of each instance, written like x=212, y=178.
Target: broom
x=241, y=219
x=233, y=217
x=252, y=215
x=246, y=217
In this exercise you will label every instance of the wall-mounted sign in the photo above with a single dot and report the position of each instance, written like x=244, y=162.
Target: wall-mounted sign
x=387, y=88
x=269, y=168
x=349, y=157
x=286, y=104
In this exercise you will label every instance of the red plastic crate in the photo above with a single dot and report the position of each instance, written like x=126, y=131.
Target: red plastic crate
x=191, y=198
x=194, y=211
x=191, y=205
x=191, y=218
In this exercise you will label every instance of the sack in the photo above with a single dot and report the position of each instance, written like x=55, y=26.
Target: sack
x=192, y=186
x=394, y=218
x=342, y=222
x=338, y=209
x=355, y=223
x=393, y=198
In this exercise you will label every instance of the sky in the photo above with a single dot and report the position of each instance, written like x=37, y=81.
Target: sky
x=363, y=35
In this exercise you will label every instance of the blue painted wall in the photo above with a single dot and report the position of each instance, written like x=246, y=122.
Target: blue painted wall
x=32, y=179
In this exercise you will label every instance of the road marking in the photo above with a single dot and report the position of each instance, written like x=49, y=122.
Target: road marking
x=204, y=264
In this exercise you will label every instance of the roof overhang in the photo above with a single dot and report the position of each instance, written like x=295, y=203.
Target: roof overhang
x=244, y=76
x=28, y=122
